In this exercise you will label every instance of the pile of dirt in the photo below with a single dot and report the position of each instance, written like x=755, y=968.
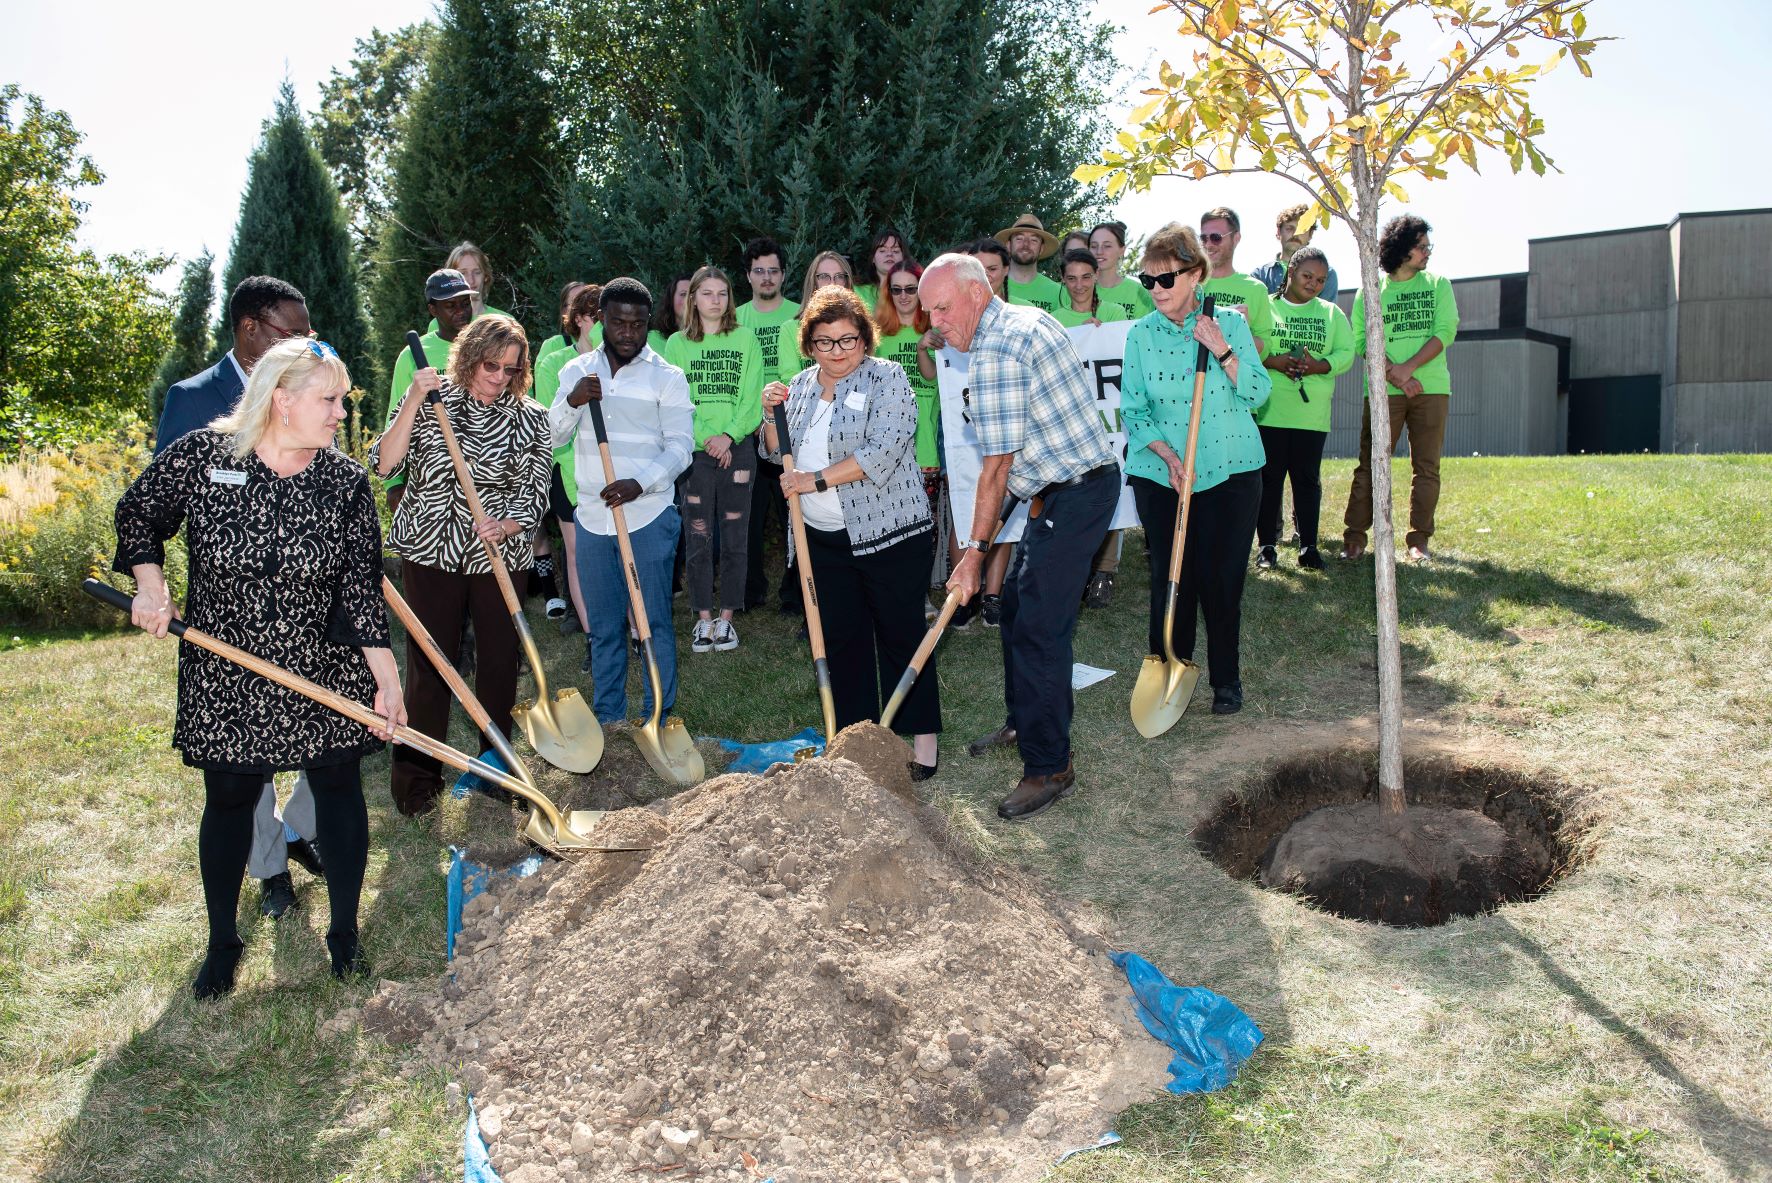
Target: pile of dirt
x=802, y=979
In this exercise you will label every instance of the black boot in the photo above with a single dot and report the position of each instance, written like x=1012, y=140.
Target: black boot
x=216, y=977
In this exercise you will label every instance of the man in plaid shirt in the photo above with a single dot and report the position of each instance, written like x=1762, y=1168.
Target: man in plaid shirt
x=1044, y=442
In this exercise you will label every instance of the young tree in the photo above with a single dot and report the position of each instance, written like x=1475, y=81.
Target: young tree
x=292, y=226
x=476, y=161
x=1325, y=94
x=80, y=336
x=816, y=121
x=190, y=331
x=362, y=111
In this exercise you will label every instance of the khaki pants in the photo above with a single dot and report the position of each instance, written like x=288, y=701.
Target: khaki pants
x=1425, y=417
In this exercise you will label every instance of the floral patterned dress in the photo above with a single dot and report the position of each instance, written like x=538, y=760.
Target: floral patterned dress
x=286, y=568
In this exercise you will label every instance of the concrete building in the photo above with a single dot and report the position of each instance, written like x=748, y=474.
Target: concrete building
x=1638, y=340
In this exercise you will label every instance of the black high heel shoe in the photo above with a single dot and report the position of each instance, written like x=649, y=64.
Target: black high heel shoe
x=922, y=772
x=216, y=977
x=347, y=956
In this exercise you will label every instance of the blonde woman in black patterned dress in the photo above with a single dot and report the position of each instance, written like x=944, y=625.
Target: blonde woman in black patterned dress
x=285, y=562
x=445, y=570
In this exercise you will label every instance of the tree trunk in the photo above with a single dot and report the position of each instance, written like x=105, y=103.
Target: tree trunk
x=1384, y=551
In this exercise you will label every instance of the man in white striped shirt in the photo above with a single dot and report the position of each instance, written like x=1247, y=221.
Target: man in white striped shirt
x=647, y=415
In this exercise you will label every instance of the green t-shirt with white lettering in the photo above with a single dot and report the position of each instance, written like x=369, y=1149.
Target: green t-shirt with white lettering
x=1415, y=309
x=764, y=325
x=1249, y=294
x=725, y=382
x=1129, y=295
x=901, y=347
x=1106, y=313
x=1044, y=293
x=1322, y=330
x=788, y=358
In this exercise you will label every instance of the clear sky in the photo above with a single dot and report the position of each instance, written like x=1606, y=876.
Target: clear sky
x=171, y=99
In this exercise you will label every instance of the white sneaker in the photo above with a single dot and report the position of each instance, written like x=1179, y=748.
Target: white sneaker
x=725, y=636
x=702, y=639
x=556, y=608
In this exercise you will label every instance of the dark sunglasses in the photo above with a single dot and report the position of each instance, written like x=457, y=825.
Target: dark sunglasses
x=1164, y=281
x=903, y=289
x=1214, y=238
x=492, y=367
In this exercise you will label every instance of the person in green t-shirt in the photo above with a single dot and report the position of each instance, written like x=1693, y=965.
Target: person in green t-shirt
x=724, y=368
x=671, y=313
x=451, y=305
x=764, y=314
x=1312, y=343
x=1107, y=242
x=563, y=338
x=584, y=316
x=1029, y=243
x=1220, y=232
x=885, y=251
x=1084, y=306
x=470, y=260
x=1420, y=323
x=906, y=338
x=993, y=256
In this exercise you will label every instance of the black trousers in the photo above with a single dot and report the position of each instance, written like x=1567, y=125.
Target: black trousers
x=872, y=609
x=224, y=840
x=1220, y=526
x=769, y=520
x=1042, y=593
x=1296, y=453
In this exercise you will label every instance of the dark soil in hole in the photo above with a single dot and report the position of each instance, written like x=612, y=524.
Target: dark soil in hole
x=1473, y=838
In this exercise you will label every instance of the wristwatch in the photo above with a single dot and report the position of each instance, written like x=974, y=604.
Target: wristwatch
x=818, y=482
x=977, y=544
x=1225, y=356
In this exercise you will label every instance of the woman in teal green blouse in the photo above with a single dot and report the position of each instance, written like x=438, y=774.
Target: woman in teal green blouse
x=1156, y=401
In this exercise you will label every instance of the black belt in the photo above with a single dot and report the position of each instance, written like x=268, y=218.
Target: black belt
x=1100, y=470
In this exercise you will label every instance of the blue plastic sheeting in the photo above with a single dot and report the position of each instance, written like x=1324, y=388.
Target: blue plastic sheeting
x=476, y=1163
x=1210, y=1036
x=467, y=880
x=757, y=757
x=467, y=782
x=1108, y=1139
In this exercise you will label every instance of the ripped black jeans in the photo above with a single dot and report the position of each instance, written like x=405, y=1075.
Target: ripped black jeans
x=717, y=502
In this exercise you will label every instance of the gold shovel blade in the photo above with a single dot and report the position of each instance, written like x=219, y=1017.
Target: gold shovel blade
x=564, y=732
x=670, y=751
x=1162, y=693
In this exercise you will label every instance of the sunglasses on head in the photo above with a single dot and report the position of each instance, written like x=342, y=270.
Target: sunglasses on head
x=1164, y=281
x=321, y=350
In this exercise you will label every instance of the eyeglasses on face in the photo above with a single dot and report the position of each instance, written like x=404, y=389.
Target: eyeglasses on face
x=492, y=367
x=283, y=334
x=1214, y=238
x=836, y=344
x=826, y=278
x=1165, y=281
x=904, y=289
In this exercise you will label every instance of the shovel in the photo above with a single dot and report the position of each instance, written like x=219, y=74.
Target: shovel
x=666, y=744
x=948, y=607
x=546, y=827
x=808, y=594
x=561, y=727
x=1165, y=684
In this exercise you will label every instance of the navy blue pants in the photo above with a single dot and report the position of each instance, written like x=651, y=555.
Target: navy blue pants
x=1041, y=595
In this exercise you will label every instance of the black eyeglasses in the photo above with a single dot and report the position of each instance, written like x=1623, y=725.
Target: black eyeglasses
x=1214, y=238
x=903, y=289
x=835, y=344
x=1164, y=281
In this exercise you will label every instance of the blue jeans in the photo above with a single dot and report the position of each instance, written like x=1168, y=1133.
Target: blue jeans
x=606, y=609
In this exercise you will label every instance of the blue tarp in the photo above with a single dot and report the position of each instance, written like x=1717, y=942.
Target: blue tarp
x=469, y=879
x=757, y=757
x=1210, y=1036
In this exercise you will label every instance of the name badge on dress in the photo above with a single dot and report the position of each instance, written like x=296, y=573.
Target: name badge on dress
x=856, y=401
x=227, y=476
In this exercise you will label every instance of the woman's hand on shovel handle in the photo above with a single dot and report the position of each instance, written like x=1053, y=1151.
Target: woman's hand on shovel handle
x=390, y=702
x=497, y=530
x=152, y=610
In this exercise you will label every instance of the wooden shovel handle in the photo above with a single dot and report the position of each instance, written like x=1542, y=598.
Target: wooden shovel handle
x=814, y=623
x=630, y=572
x=512, y=603
x=1187, y=463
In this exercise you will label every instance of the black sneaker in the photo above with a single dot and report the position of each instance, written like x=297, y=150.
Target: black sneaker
x=1266, y=560
x=963, y=617
x=1309, y=559
x=278, y=897
x=991, y=608
x=1227, y=700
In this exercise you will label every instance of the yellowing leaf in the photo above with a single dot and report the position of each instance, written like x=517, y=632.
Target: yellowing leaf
x=1144, y=111
x=1396, y=191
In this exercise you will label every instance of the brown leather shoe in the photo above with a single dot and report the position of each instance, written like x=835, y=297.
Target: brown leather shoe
x=996, y=739
x=1035, y=794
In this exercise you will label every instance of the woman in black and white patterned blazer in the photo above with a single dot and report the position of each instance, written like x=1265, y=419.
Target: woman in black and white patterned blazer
x=446, y=573
x=853, y=420
x=285, y=562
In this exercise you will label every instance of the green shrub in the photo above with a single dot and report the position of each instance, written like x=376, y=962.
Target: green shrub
x=46, y=551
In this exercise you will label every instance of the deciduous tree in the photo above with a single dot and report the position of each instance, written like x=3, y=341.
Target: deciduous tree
x=190, y=331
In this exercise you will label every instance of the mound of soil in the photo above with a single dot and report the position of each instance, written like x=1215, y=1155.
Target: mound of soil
x=802, y=973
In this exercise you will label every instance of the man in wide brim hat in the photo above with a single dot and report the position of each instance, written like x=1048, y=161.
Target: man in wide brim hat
x=1029, y=224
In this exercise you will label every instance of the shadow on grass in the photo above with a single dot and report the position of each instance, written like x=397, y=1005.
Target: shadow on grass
x=1740, y=1140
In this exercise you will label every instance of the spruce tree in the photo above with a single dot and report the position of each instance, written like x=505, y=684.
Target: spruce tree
x=476, y=162
x=293, y=226
x=817, y=121
x=190, y=332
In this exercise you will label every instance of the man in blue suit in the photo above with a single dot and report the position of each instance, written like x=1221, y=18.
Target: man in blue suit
x=262, y=311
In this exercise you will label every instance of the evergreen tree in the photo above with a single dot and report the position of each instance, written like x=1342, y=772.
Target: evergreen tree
x=190, y=332
x=476, y=162
x=817, y=121
x=292, y=226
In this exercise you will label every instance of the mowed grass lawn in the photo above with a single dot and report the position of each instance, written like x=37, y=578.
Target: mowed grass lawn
x=1606, y=621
